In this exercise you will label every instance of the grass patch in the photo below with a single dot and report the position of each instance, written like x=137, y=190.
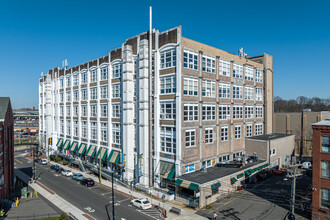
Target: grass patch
x=208, y=207
x=228, y=197
x=50, y=218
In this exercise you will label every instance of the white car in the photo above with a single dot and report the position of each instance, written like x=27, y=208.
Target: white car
x=64, y=172
x=43, y=161
x=68, y=173
x=141, y=203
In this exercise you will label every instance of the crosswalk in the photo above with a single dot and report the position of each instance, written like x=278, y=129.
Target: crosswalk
x=152, y=213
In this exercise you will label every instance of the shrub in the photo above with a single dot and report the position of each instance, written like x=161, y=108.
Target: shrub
x=52, y=157
x=65, y=162
x=64, y=216
x=57, y=159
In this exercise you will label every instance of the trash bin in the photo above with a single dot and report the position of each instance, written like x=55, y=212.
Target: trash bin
x=24, y=191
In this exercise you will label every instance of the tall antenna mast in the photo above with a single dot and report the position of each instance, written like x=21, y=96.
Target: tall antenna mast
x=150, y=99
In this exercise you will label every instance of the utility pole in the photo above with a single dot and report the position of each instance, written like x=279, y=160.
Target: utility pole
x=150, y=99
x=301, y=135
x=100, y=166
x=293, y=175
x=113, y=199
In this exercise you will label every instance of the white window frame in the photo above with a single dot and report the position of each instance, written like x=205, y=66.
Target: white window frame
x=84, y=111
x=168, y=110
x=104, y=92
x=75, y=128
x=248, y=93
x=238, y=131
x=68, y=110
x=249, y=130
x=116, y=70
x=190, y=168
x=249, y=111
x=168, y=58
x=258, y=129
x=168, y=139
x=93, y=93
x=209, y=135
x=259, y=111
x=104, y=131
x=208, y=112
x=208, y=64
x=192, y=114
x=238, y=71
x=84, y=94
x=237, y=112
x=208, y=88
x=249, y=73
x=68, y=96
x=258, y=94
x=75, y=111
x=259, y=76
x=224, y=133
x=190, y=60
x=68, y=127
x=237, y=92
x=93, y=111
x=190, y=87
x=104, y=72
x=68, y=81
x=116, y=138
x=191, y=138
x=93, y=130
x=75, y=79
x=84, y=129
x=93, y=75
x=116, y=91
x=224, y=112
x=224, y=90
x=104, y=110
x=168, y=84
x=84, y=78
x=116, y=110
x=224, y=68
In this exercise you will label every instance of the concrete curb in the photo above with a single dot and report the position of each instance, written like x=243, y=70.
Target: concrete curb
x=61, y=203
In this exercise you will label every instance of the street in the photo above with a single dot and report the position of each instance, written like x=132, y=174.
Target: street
x=91, y=200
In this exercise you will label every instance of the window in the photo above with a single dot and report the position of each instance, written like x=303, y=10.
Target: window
x=61, y=110
x=325, y=169
x=116, y=70
x=224, y=90
x=84, y=129
x=93, y=130
x=248, y=73
x=258, y=129
x=325, y=142
x=259, y=94
x=190, y=138
x=84, y=94
x=189, y=168
x=259, y=110
x=75, y=95
x=93, y=110
x=238, y=71
x=237, y=92
x=224, y=112
x=68, y=110
x=259, y=76
x=115, y=133
x=248, y=93
x=249, y=130
x=208, y=88
x=208, y=135
x=61, y=97
x=62, y=127
x=68, y=81
x=168, y=58
x=248, y=111
x=224, y=68
x=62, y=83
x=104, y=92
x=190, y=86
x=93, y=75
x=190, y=60
x=68, y=96
x=116, y=110
x=68, y=127
x=104, y=73
x=167, y=84
x=84, y=77
x=237, y=131
x=168, y=140
x=104, y=110
x=93, y=93
x=208, y=112
x=84, y=110
x=75, y=111
x=168, y=110
x=272, y=152
x=116, y=90
x=208, y=64
x=237, y=112
x=224, y=158
x=104, y=132
x=190, y=112
x=75, y=129
x=75, y=79
x=224, y=133
x=325, y=198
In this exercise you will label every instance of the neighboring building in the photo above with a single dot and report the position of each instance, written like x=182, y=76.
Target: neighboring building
x=26, y=121
x=276, y=149
x=205, y=102
x=290, y=123
x=6, y=148
x=321, y=170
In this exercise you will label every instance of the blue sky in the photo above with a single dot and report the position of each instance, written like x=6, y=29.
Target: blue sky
x=36, y=36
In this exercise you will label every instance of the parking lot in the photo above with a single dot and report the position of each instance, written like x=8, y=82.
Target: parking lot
x=268, y=199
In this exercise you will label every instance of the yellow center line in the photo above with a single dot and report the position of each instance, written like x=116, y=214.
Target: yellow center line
x=239, y=196
x=18, y=161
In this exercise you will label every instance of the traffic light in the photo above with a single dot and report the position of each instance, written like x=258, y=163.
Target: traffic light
x=50, y=140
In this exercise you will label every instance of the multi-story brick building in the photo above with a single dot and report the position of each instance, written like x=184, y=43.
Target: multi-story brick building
x=6, y=148
x=321, y=170
x=204, y=102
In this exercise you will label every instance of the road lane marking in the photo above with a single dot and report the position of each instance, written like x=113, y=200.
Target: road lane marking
x=124, y=200
x=18, y=161
x=105, y=193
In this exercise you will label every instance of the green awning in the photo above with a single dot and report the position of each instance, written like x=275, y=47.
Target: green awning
x=66, y=145
x=251, y=171
x=219, y=184
x=59, y=142
x=186, y=184
x=82, y=149
x=171, y=174
x=247, y=173
x=213, y=186
x=73, y=146
x=216, y=185
x=240, y=175
x=91, y=151
x=102, y=153
x=114, y=157
x=233, y=180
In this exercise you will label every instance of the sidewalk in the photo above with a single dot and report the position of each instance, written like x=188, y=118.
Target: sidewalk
x=185, y=213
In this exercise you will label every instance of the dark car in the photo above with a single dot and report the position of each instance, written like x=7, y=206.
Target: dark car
x=59, y=170
x=55, y=167
x=87, y=182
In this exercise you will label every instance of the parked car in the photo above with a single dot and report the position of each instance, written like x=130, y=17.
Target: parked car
x=60, y=169
x=68, y=173
x=87, y=182
x=306, y=165
x=55, y=167
x=79, y=177
x=43, y=161
x=74, y=176
x=141, y=203
x=64, y=172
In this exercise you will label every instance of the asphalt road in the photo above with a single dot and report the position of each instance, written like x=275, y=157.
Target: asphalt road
x=91, y=200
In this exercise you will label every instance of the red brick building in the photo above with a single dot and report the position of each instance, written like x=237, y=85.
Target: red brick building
x=321, y=170
x=6, y=148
